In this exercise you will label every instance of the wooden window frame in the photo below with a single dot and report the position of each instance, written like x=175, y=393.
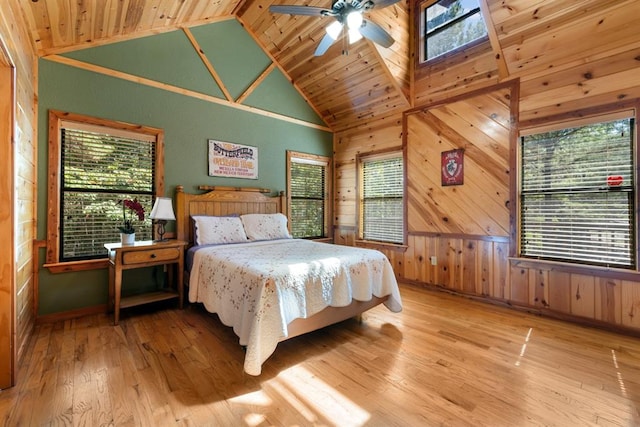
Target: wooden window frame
x=421, y=38
x=328, y=197
x=54, y=180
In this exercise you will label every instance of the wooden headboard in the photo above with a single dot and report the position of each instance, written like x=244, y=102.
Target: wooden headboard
x=222, y=201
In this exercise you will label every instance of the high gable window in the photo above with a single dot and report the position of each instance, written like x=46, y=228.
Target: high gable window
x=450, y=24
x=94, y=164
x=578, y=194
x=381, y=195
x=308, y=194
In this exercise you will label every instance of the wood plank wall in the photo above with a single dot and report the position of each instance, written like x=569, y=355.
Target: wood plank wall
x=450, y=76
x=14, y=34
x=563, y=57
x=380, y=134
x=570, y=55
x=7, y=276
x=458, y=236
x=481, y=126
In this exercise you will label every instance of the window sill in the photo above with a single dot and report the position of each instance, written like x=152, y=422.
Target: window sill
x=381, y=245
x=71, y=266
x=611, y=272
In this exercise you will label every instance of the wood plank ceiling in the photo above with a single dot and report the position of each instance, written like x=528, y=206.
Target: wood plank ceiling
x=368, y=83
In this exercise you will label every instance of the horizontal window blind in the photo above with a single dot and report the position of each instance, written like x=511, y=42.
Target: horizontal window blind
x=577, y=195
x=307, y=186
x=102, y=161
x=98, y=170
x=382, y=201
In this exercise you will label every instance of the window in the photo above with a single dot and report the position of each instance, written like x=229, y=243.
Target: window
x=93, y=164
x=308, y=194
x=577, y=194
x=381, y=214
x=450, y=24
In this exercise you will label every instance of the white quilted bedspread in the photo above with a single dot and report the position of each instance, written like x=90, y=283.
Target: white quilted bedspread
x=258, y=288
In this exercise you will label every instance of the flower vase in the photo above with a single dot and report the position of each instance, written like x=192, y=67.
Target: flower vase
x=127, y=238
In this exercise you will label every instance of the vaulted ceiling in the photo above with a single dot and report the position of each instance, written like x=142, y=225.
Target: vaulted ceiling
x=369, y=82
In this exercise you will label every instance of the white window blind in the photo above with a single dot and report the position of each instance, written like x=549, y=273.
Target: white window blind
x=99, y=169
x=382, y=199
x=307, y=187
x=577, y=195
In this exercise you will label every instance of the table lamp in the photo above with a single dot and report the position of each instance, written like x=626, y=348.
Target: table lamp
x=161, y=213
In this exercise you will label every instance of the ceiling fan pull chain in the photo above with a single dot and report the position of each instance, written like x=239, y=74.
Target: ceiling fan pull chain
x=345, y=45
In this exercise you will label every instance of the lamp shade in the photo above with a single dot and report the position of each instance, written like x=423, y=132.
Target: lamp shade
x=162, y=209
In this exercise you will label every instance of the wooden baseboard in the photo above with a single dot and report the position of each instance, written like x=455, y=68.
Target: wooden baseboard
x=71, y=314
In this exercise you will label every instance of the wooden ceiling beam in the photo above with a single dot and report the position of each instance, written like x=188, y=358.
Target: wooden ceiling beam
x=503, y=70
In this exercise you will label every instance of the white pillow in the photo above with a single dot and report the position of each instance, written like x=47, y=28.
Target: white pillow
x=265, y=226
x=218, y=229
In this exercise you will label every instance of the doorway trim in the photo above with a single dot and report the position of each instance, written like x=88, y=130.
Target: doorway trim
x=8, y=348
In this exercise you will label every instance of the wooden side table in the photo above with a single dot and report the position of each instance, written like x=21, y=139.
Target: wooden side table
x=144, y=254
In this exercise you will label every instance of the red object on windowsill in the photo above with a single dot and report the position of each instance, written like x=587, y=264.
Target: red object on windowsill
x=614, y=180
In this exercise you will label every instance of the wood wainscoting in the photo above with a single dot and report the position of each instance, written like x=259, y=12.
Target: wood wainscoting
x=472, y=265
x=605, y=297
x=480, y=267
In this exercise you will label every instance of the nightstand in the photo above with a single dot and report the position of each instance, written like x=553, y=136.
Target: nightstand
x=144, y=254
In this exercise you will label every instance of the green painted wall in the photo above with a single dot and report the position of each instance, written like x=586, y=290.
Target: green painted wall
x=188, y=123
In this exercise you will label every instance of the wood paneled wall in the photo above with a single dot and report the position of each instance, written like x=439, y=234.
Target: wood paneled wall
x=458, y=236
x=602, y=297
x=378, y=135
x=562, y=57
x=471, y=265
x=7, y=273
x=14, y=35
x=481, y=126
x=450, y=76
x=569, y=54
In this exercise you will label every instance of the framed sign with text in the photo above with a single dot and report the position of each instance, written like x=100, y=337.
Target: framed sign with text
x=452, y=168
x=232, y=160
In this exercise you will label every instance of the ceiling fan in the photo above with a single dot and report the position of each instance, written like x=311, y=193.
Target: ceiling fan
x=347, y=12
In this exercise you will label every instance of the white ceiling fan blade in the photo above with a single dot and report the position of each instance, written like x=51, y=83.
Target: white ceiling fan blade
x=379, y=4
x=325, y=44
x=300, y=10
x=376, y=33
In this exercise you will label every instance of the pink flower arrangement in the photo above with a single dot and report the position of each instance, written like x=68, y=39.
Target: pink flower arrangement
x=134, y=207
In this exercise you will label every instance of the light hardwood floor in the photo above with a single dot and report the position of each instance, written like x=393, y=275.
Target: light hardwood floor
x=443, y=360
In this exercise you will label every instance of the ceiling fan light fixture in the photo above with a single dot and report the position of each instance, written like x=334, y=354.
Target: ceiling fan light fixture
x=354, y=20
x=354, y=35
x=347, y=14
x=334, y=29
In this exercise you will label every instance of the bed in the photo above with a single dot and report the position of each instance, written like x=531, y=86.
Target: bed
x=243, y=265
